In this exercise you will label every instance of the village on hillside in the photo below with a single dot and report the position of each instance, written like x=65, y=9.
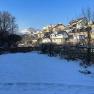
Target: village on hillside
x=74, y=33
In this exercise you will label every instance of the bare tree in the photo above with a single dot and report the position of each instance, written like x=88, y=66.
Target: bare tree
x=88, y=13
x=93, y=17
x=88, y=58
x=8, y=28
x=7, y=22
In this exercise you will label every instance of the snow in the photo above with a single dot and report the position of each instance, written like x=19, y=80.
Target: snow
x=33, y=73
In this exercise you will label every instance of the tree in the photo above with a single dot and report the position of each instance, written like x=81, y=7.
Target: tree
x=93, y=17
x=13, y=39
x=88, y=13
x=88, y=58
x=8, y=28
x=7, y=23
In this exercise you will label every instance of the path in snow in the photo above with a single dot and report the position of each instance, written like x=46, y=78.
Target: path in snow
x=47, y=88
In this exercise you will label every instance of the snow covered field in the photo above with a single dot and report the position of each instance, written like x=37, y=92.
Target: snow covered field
x=33, y=73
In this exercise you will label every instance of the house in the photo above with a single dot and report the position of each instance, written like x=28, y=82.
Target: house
x=58, y=27
x=59, y=37
x=46, y=40
x=52, y=28
x=78, y=36
x=48, y=28
x=92, y=35
x=79, y=23
x=40, y=34
x=76, y=31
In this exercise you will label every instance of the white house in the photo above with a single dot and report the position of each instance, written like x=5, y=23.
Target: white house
x=46, y=40
x=59, y=37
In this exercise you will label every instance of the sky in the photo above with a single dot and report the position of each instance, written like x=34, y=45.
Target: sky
x=40, y=13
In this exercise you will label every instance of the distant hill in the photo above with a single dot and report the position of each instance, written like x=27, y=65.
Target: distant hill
x=28, y=31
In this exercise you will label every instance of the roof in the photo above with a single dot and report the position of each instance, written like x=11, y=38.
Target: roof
x=62, y=32
x=74, y=21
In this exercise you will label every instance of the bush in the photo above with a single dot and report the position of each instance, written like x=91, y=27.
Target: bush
x=20, y=49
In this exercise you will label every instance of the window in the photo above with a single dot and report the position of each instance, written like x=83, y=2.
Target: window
x=81, y=37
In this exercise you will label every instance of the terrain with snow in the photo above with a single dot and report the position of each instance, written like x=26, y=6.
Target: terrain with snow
x=33, y=73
